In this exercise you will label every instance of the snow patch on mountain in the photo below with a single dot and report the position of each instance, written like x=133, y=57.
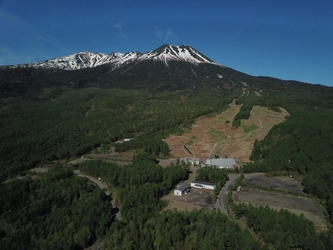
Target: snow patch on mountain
x=82, y=60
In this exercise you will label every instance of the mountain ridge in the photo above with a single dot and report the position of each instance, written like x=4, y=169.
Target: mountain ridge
x=167, y=68
x=86, y=59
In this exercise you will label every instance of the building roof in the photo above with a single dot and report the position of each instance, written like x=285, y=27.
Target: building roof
x=183, y=187
x=203, y=183
x=221, y=162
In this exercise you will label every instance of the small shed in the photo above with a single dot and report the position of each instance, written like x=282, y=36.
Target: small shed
x=202, y=184
x=182, y=189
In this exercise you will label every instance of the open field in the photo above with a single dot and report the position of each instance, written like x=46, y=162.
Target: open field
x=298, y=205
x=275, y=182
x=310, y=208
x=215, y=136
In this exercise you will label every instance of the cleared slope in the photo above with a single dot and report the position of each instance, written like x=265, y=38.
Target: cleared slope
x=214, y=136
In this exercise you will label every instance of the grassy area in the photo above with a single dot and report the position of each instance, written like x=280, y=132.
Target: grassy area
x=191, y=141
x=248, y=129
x=216, y=135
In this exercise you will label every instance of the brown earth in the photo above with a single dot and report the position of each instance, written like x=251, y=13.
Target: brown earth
x=310, y=208
x=215, y=136
x=296, y=204
x=195, y=199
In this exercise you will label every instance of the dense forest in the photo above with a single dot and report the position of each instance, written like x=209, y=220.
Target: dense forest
x=281, y=229
x=56, y=210
x=48, y=121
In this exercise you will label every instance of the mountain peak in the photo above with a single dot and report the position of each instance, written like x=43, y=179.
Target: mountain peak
x=185, y=53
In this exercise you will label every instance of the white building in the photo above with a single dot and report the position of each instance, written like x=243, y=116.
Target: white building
x=228, y=163
x=194, y=161
x=201, y=184
x=182, y=189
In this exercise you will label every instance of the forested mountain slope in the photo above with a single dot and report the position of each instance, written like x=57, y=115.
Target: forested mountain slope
x=49, y=116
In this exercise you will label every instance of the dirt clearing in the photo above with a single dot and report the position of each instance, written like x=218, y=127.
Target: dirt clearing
x=214, y=136
x=195, y=199
x=298, y=205
x=310, y=208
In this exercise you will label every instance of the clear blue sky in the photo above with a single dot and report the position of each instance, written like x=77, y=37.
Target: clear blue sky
x=287, y=39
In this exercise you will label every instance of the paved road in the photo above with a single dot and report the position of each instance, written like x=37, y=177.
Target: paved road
x=221, y=201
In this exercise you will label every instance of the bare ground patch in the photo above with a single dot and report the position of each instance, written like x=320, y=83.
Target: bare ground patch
x=118, y=158
x=310, y=208
x=211, y=136
x=275, y=182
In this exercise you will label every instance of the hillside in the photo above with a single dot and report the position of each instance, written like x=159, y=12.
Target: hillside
x=161, y=100
x=211, y=136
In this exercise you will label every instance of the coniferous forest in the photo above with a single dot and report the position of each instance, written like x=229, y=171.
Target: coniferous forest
x=48, y=120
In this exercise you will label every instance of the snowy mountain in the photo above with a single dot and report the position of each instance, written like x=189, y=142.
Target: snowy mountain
x=83, y=60
x=167, y=53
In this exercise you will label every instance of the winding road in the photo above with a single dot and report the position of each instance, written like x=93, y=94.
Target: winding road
x=101, y=185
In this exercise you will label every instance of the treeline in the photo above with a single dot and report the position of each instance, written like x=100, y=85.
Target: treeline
x=248, y=100
x=55, y=211
x=214, y=175
x=281, y=229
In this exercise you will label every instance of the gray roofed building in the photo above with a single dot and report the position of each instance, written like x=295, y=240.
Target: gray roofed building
x=181, y=189
x=221, y=163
